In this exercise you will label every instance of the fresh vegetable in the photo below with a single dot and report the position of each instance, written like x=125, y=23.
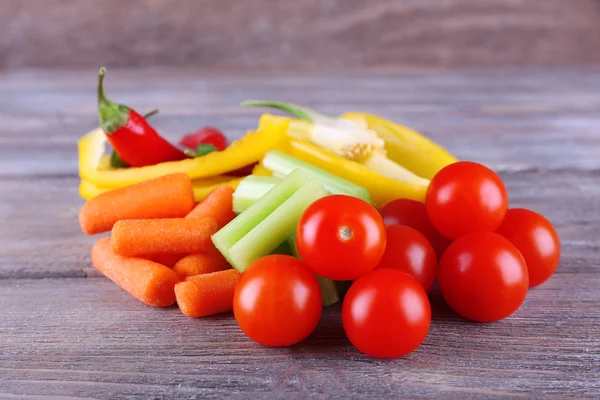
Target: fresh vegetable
x=409, y=251
x=207, y=135
x=349, y=139
x=201, y=263
x=251, y=189
x=282, y=165
x=207, y=294
x=466, y=197
x=169, y=196
x=115, y=160
x=168, y=260
x=535, y=237
x=277, y=301
x=145, y=237
x=218, y=204
x=241, y=153
x=149, y=282
x=341, y=237
x=381, y=188
x=386, y=314
x=130, y=135
x=201, y=187
x=413, y=213
x=483, y=277
x=269, y=222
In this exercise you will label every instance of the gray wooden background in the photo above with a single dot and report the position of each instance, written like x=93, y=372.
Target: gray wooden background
x=301, y=34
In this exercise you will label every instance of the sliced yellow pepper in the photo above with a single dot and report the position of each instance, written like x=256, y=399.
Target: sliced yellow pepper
x=245, y=151
x=202, y=187
x=407, y=147
x=382, y=189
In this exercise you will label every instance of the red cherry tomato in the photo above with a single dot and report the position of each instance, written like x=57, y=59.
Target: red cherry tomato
x=536, y=239
x=386, y=313
x=409, y=251
x=277, y=301
x=413, y=213
x=341, y=237
x=483, y=277
x=206, y=135
x=466, y=197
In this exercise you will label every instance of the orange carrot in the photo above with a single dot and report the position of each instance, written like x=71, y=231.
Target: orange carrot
x=201, y=263
x=218, y=204
x=149, y=282
x=169, y=196
x=168, y=260
x=148, y=237
x=207, y=294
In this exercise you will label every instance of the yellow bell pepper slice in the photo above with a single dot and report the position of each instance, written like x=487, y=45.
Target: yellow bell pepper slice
x=382, y=189
x=245, y=151
x=201, y=187
x=406, y=146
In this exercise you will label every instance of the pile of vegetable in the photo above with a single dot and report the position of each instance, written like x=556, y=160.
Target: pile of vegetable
x=300, y=214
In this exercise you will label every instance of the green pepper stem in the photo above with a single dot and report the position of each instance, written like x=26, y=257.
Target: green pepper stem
x=111, y=116
x=304, y=113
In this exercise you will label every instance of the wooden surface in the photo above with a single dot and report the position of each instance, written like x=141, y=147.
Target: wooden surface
x=301, y=34
x=65, y=332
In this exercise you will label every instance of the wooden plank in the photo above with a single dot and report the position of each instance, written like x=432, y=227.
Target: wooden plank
x=506, y=119
x=93, y=339
x=310, y=34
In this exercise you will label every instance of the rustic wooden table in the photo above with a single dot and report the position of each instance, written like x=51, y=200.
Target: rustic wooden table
x=66, y=332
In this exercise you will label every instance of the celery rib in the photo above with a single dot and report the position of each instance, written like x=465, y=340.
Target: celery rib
x=276, y=227
x=281, y=165
x=251, y=189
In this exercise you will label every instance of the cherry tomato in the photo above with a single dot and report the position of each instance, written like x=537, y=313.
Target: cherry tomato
x=206, y=135
x=466, y=197
x=413, y=213
x=536, y=239
x=277, y=301
x=386, y=313
x=341, y=237
x=409, y=251
x=483, y=277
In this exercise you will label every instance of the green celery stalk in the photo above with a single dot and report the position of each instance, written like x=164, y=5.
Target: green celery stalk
x=281, y=165
x=250, y=189
x=241, y=225
x=329, y=292
x=276, y=227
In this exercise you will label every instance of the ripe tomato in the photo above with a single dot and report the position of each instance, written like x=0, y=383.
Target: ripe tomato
x=483, y=277
x=413, y=213
x=341, y=237
x=409, y=251
x=536, y=239
x=466, y=197
x=206, y=135
x=386, y=313
x=277, y=301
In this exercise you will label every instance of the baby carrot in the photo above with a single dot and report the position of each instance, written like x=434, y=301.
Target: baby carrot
x=148, y=237
x=168, y=260
x=218, y=204
x=207, y=294
x=201, y=263
x=169, y=196
x=149, y=282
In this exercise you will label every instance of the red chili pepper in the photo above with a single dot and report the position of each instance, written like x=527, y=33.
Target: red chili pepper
x=206, y=135
x=134, y=140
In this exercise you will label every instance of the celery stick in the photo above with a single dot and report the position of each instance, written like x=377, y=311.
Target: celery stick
x=281, y=165
x=329, y=293
x=250, y=189
x=275, y=228
x=231, y=233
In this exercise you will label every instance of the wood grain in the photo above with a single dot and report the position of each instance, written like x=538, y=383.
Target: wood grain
x=307, y=34
x=66, y=332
